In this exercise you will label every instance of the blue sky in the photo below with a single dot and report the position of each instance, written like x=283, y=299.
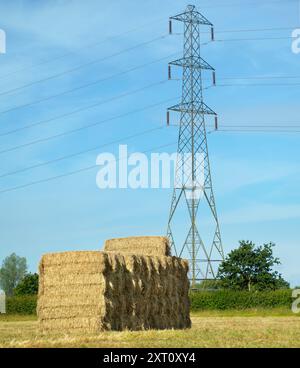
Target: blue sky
x=256, y=175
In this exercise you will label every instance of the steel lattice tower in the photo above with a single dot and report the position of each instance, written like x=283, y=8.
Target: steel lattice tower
x=193, y=178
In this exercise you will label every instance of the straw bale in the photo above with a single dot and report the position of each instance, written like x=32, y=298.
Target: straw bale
x=96, y=291
x=146, y=245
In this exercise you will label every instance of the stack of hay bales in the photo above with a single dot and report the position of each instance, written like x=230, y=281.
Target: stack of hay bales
x=145, y=245
x=94, y=291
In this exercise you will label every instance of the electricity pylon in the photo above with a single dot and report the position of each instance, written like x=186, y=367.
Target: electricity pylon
x=193, y=181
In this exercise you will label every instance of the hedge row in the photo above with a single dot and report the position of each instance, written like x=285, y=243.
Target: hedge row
x=225, y=299
x=200, y=300
x=21, y=304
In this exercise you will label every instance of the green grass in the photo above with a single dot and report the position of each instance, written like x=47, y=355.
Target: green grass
x=248, y=328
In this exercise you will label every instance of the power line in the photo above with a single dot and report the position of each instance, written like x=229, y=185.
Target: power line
x=254, y=39
x=243, y=30
x=254, y=30
x=247, y=39
x=61, y=158
x=43, y=62
x=87, y=168
x=94, y=166
x=261, y=77
x=109, y=38
x=257, y=84
x=42, y=140
x=129, y=49
x=247, y=84
x=258, y=131
x=47, y=139
x=261, y=126
x=84, y=85
x=241, y=126
x=95, y=61
x=128, y=71
x=249, y=3
x=80, y=110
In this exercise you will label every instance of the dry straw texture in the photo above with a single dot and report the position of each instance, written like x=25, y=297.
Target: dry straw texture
x=145, y=245
x=93, y=291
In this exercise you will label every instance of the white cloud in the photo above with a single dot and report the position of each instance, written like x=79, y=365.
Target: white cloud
x=238, y=173
x=261, y=212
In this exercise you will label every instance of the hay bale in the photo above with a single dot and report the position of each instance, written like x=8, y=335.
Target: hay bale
x=94, y=291
x=146, y=245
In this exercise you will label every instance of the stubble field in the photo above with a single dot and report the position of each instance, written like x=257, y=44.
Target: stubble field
x=253, y=328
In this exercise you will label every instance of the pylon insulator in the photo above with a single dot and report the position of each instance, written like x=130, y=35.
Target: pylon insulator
x=212, y=31
x=169, y=72
x=170, y=27
x=214, y=78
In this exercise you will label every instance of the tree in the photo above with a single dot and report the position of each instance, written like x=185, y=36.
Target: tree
x=29, y=285
x=250, y=268
x=12, y=272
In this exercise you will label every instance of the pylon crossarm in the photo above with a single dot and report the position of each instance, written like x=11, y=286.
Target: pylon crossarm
x=191, y=107
x=192, y=62
x=207, y=110
x=193, y=16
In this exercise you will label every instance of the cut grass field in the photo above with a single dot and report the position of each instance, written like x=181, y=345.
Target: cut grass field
x=250, y=328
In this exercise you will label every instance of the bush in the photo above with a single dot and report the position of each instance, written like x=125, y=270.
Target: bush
x=21, y=304
x=209, y=285
x=200, y=300
x=29, y=285
x=228, y=299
